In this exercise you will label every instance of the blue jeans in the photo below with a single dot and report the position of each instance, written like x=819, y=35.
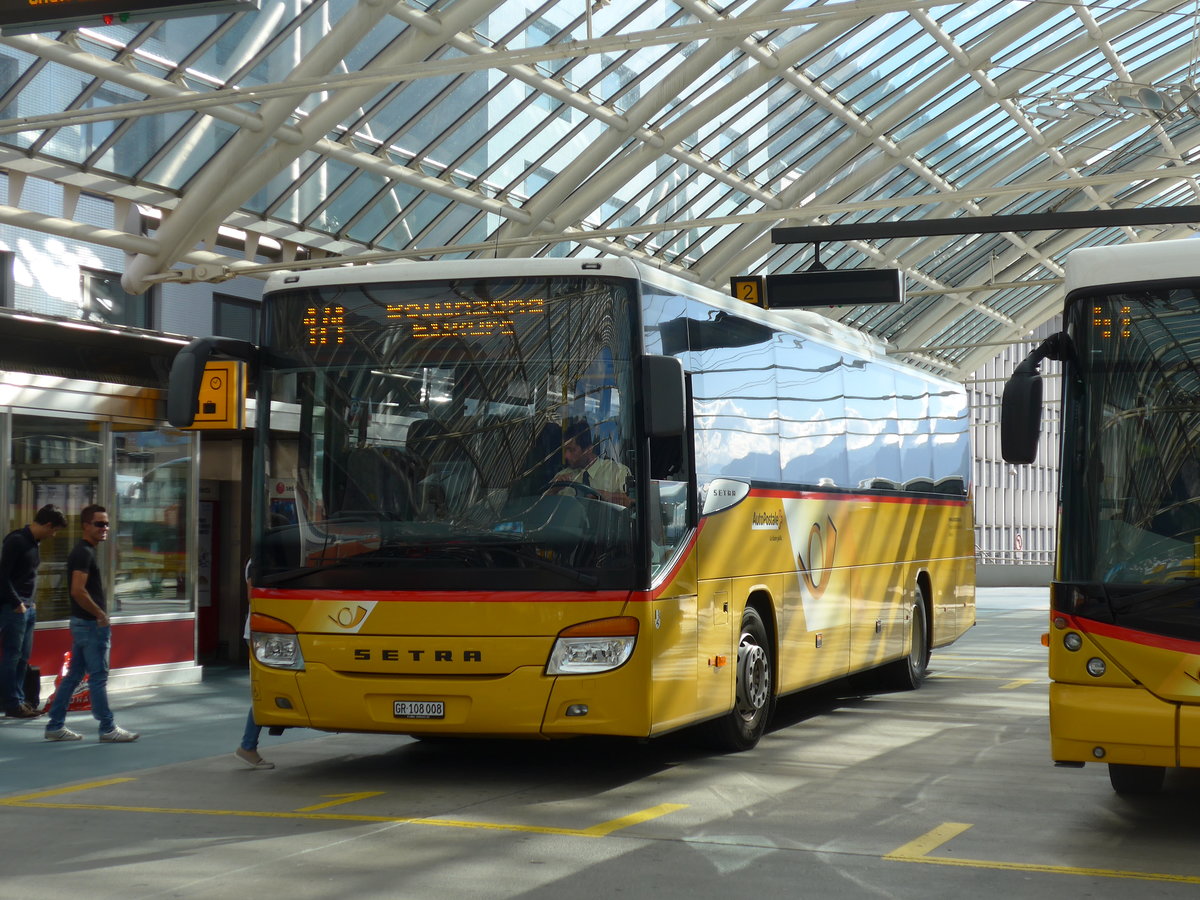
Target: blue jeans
x=89, y=656
x=253, y=729
x=16, y=643
x=250, y=735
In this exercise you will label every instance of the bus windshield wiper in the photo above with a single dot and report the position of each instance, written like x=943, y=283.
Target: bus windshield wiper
x=1154, y=598
x=348, y=562
x=514, y=545
x=532, y=557
x=453, y=550
x=285, y=577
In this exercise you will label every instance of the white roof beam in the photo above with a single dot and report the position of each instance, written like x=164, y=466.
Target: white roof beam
x=481, y=58
x=752, y=251
x=745, y=247
x=233, y=174
x=562, y=199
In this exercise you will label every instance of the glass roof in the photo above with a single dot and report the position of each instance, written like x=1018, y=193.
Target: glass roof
x=680, y=133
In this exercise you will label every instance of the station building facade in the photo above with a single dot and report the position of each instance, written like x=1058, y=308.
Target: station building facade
x=1016, y=507
x=83, y=370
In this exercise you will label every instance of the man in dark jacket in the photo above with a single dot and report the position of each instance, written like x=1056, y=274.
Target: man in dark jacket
x=19, y=561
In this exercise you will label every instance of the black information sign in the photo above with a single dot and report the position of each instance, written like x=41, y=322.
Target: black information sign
x=31, y=16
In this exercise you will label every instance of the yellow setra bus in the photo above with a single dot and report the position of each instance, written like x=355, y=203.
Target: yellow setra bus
x=1124, y=634
x=551, y=498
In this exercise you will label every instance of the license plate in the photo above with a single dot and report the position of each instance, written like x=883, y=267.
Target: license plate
x=419, y=709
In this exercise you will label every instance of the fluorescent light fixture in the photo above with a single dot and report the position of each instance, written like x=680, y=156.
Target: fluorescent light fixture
x=1052, y=112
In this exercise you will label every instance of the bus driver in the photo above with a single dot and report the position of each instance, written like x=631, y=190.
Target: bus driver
x=608, y=478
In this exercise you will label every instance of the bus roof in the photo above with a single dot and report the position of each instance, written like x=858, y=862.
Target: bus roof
x=1128, y=264
x=433, y=270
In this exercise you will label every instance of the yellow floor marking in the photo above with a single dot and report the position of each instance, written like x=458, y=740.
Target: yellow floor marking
x=915, y=851
x=636, y=818
x=345, y=798
x=58, y=792
x=947, y=657
x=1019, y=683
x=38, y=801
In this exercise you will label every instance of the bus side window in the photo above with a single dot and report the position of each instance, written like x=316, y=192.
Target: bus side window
x=667, y=509
x=666, y=459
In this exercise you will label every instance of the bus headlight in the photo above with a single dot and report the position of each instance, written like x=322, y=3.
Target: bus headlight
x=275, y=643
x=592, y=647
x=1072, y=640
x=1096, y=667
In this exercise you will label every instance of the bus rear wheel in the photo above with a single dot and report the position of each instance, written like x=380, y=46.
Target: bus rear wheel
x=1128, y=779
x=741, y=728
x=908, y=673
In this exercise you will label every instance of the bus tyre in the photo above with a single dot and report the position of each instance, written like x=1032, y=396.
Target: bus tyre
x=754, y=692
x=1136, y=779
x=908, y=673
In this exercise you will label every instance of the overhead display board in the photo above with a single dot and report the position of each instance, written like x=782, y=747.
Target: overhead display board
x=32, y=16
x=835, y=287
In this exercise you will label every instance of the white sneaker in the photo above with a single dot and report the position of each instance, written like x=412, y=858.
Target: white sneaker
x=119, y=736
x=252, y=759
x=63, y=734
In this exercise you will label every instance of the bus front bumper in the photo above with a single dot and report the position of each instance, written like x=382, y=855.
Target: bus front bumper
x=525, y=703
x=1129, y=726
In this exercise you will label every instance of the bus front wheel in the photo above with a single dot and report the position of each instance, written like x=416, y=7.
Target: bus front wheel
x=1128, y=779
x=741, y=728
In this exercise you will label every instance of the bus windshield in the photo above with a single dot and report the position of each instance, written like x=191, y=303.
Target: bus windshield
x=1131, y=460
x=456, y=435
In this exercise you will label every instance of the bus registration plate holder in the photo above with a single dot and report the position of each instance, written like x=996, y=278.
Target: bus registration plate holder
x=419, y=709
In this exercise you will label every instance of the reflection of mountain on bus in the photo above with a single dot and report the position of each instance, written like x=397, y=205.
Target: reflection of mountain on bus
x=151, y=529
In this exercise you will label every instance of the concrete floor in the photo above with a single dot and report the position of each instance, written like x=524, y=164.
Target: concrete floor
x=945, y=792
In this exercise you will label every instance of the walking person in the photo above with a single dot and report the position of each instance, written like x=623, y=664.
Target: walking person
x=19, y=561
x=91, y=636
x=247, y=750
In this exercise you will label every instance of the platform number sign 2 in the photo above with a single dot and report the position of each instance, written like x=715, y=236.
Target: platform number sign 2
x=748, y=288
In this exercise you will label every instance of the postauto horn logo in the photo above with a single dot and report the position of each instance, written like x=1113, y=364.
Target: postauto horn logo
x=351, y=617
x=822, y=545
x=766, y=521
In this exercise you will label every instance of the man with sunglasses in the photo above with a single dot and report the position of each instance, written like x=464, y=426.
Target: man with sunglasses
x=91, y=636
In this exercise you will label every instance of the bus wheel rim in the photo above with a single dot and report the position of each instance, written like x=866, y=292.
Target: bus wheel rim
x=754, y=679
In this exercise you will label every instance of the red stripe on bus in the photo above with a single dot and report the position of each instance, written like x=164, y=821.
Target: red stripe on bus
x=343, y=596
x=1129, y=635
x=781, y=494
x=680, y=560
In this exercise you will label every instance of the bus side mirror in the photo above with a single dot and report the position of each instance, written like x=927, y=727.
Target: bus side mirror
x=1021, y=417
x=1021, y=403
x=664, y=396
x=183, y=384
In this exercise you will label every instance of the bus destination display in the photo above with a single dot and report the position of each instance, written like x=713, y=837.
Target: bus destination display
x=325, y=326
x=1109, y=326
